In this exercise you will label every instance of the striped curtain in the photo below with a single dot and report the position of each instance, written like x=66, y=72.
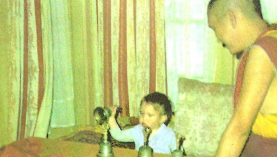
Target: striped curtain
x=123, y=52
x=26, y=100
x=134, y=54
x=117, y=56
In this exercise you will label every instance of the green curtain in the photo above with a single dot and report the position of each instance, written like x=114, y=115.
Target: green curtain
x=26, y=55
x=63, y=114
x=114, y=61
x=5, y=82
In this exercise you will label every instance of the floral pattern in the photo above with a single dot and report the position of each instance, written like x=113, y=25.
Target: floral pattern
x=204, y=109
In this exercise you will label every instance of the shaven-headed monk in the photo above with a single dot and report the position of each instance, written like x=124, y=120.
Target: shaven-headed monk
x=252, y=130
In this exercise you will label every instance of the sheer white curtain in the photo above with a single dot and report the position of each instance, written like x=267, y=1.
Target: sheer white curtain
x=188, y=43
x=63, y=96
x=269, y=10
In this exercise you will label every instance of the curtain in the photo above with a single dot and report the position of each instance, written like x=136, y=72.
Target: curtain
x=105, y=53
x=45, y=43
x=194, y=51
x=118, y=54
x=63, y=92
x=26, y=55
x=65, y=58
x=269, y=11
x=10, y=70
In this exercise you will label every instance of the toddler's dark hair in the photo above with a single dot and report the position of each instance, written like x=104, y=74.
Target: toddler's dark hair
x=163, y=102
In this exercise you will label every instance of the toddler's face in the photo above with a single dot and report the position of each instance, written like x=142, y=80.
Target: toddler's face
x=149, y=116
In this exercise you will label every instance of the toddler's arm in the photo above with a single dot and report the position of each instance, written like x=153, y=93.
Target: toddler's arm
x=112, y=121
x=122, y=135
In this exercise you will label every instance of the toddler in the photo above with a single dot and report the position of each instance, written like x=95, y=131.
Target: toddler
x=155, y=113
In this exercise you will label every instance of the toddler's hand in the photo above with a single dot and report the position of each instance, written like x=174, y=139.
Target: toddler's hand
x=114, y=111
x=112, y=121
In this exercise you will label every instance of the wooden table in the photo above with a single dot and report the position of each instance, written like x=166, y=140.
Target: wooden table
x=77, y=149
x=42, y=147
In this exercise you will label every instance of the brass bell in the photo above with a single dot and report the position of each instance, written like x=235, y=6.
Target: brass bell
x=105, y=150
x=102, y=116
x=145, y=150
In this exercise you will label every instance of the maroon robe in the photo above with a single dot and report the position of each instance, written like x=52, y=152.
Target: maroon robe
x=258, y=146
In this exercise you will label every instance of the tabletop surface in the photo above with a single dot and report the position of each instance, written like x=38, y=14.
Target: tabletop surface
x=43, y=147
x=68, y=148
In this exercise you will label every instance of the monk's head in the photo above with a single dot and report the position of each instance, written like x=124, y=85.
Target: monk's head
x=236, y=23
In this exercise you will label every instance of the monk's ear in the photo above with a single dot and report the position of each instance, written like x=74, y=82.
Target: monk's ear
x=232, y=18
